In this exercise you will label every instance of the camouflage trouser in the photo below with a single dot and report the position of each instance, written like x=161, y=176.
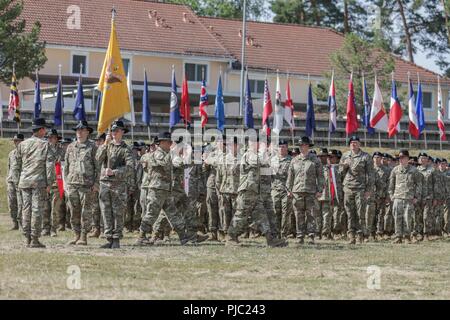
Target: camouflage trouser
x=33, y=205
x=317, y=213
x=403, y=212
x=381, y=216
x=212, y=205
x=355, y=207
x=373, y=214
x=327, y=217
x=59, y=206
x=304, y=204
x=184, y=207
x=113, y=204
x=339, y=218
x=14, y=202
x=268, y=204
x=199, y=206
x=282, y=206
x=389, y=219
x=439, y=218
x=80, y=201
x=47, y=213
x=143, y=201
x=428, y=216
x=97, y=221
x=133, y=214
x=228, y=205
x=418, y=217
x=162, y=225
x=447, y=216
x=249, y=206
x=158, y=200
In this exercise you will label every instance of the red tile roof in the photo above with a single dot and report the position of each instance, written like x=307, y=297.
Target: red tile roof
x=136, y=31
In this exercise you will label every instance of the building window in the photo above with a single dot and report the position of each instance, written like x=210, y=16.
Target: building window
x=77, y=61
x=126, y=65
x=196, y=72
x=256, y=86
x=427, y=100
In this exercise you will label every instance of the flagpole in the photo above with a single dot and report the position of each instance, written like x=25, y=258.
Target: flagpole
x=244, y=35
x=364, y=120
x=379, y=139
x=21, y=100
x=62, y=106
x=439, y=112
x=425, y=136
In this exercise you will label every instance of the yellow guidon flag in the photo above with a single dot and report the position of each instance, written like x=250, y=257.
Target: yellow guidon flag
x=113, y=85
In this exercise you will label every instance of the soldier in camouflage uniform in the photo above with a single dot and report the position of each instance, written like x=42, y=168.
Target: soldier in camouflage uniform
x=305, y=182
x=61, y=205
x=12, y=180
x=282, y=203
x=133, y=215
x=441, y=196
x=34, y=164
x=197, y=194
x=446, y=227
x=336, y=197
x=117, y=163
x=159, y=169
x=405, y=190
x=49, y=218
x=322, y=211
x=424, y=218
x=388, y=228
x=356, y=167
x=212, y=199
x=81, y=175
x=97, y=221
x=249, y=202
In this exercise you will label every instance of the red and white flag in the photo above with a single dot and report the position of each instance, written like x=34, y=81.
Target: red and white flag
x=378, y=115
x=278, y=116
x=352, y=119
x=289, y=107
x=267, y=111
x=413, y=126
x=203, y=104
x=396, y=113
x=441, y=114
x=185, y=108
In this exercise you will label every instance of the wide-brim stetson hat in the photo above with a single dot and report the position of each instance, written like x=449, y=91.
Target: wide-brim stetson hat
x=83, y=125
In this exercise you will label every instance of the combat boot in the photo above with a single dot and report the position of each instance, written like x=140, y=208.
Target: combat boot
x=83, y=240
x=35, y=243
x=142, y=240
x=45, y=233
x=232, y=241
x=53, y=233
x=212, y=236
x=115, y=244
x=408, y=240
x=360, y=238
x=202, y=237
x=185, y=238
x=311, y=239
x=300, y=241
x=75, y=239
x=221, y=236
x=426, y=238
x=107, y=245
x=27, y=240
x=15, y=225
x=398, y=240
x=61, y=227
x=274, y=242
x=95, y=233
x=352, y=239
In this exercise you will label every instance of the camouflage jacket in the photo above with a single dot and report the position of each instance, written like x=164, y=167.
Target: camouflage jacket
x=80, y=165
x=357, y=171
x=305, y=174
x=119, y=158
x=197, y=181
x=249, y=172
x=381, y=184
x=441, y=185
x=404, y=183
x=178, y=172
x=429, y=185
x=337, y=182
x=266, y=172
x=280, y=169
x=13, y=176
x=447, y=182
x=159, y=169
x=34, y=164
x=143, y=162
x=229, y=175
x=211, y=162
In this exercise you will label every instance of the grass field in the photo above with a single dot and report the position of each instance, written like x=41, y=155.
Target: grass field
x=327, y=270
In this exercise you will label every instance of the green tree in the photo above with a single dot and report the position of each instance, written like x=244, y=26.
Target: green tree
x=359, y=57
x=17, y=45
x=226, y=8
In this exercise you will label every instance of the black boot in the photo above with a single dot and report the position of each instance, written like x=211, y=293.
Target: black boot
x=115, y=244
x=107, y=245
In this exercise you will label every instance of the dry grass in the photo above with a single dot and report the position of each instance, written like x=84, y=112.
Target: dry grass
x=329, y=270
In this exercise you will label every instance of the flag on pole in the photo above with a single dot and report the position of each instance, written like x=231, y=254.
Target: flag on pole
x=203, y=104
x=78, y=111
x=130, y=116
x=310, y=117
x=98, y=107
x=278, y=116
x=112, y=84
x=146, y=114
x=37, y=98
x=378, y=115
x=220, y=107
x=59, y=105
x=366, y=120
x=396, y=113
x=413, y=126
x=332, y=107
x=174, y=107
x=267, y=111
x=419, y=109
x=289, y=107
x=13, y=106
x=185, y=108
x=248, y=116
x=352, y=119
x=441, y=114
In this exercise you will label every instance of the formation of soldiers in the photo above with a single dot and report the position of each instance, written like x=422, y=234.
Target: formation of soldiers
x=101, y=187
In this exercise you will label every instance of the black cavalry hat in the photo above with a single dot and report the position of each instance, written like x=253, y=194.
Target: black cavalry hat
x=118, y=124
x=39, y=123
x=305, y=140
x=83, y=125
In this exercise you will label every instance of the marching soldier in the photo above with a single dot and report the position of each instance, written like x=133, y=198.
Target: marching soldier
x=405, y=190
x=322, y=206
x=12, y=180
x=34, y=164
x=357, y=170
x=97, y=221
x=117, y=163
x=305, y=183
x=197, y=193
x=81, y=175
x=282, y=203
x=132, y=218
x=212, y=199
